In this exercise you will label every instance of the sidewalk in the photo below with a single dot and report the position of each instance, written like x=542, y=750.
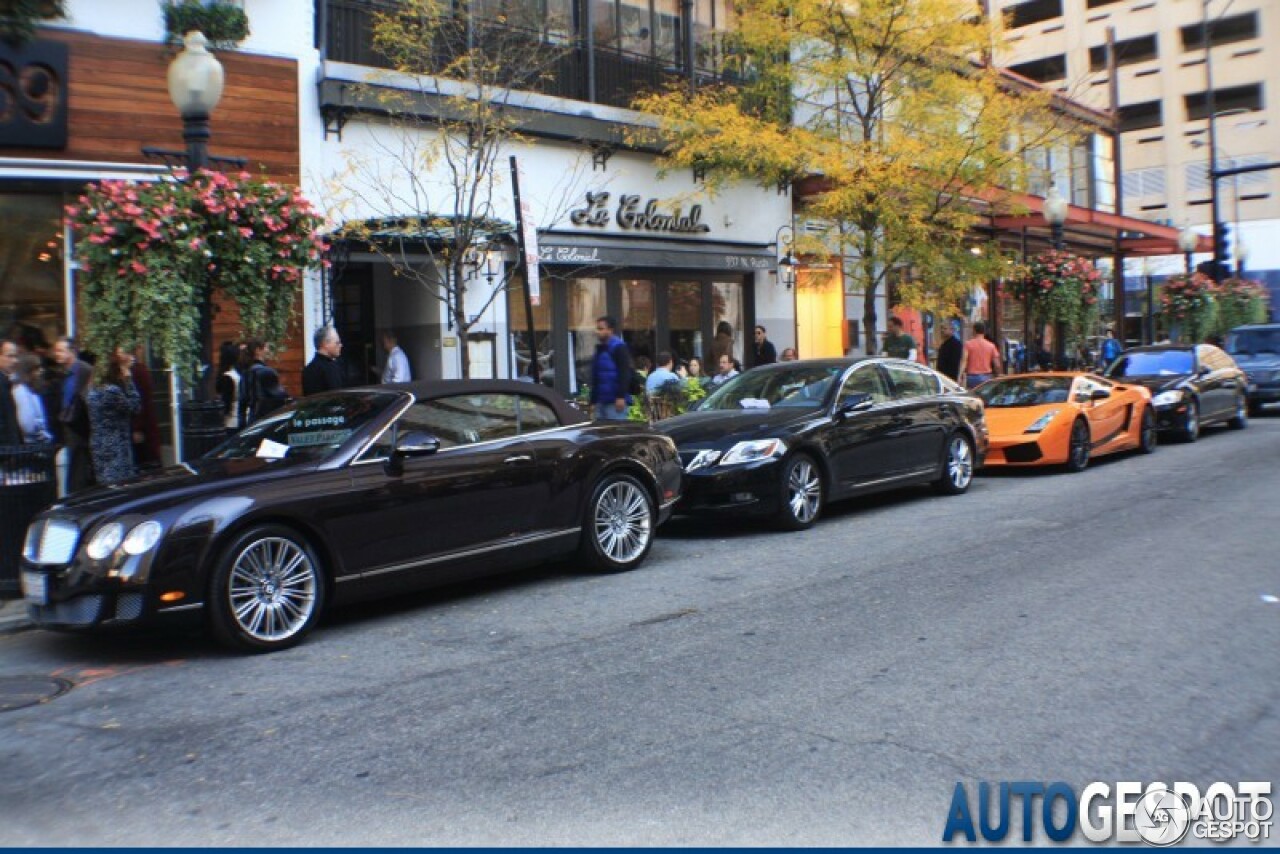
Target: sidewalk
x=13, y=616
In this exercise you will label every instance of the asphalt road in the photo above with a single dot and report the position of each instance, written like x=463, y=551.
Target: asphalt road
x=743, y=687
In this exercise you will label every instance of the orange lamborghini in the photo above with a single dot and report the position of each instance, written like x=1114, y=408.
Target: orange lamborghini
x=1064, y=419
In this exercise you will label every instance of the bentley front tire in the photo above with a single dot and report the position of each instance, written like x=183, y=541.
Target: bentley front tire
x=266, y=592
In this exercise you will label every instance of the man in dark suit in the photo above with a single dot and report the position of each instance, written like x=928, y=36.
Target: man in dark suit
x=324, y=372
x=73, y=416
x=950, y=351
x=10, y=434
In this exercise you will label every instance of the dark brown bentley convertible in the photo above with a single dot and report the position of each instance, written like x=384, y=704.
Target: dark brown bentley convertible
x=352, y=495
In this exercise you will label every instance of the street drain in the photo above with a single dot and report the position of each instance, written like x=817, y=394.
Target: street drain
x=18, y=692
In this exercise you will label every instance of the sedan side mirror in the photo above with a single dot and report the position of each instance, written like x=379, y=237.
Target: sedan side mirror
x=1100, y=394
x=858, y=402
x=417, y=443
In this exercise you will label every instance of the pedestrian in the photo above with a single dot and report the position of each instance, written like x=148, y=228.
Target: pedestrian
x=397, y=369
x=1044, y=359
x=113, y=401
x=33, y=422
x=10, y=430
x=260, y=389
x=898, y=344
x=980, y=360
x=73, y=415
x=228, y=384
x=789, y=354
x=611, y=373
x=722, y=343
x=661, y=376
x=727, y=371
x=146, y=428
x=324, y=372
x=696, y=374
x=766, y=353
x=1110, y=350
x=950, y=351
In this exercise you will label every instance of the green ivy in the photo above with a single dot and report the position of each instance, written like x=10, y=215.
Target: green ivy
x=19, y=18
x=223, y=24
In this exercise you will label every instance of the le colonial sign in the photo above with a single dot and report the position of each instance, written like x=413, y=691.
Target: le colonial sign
x=631, y=216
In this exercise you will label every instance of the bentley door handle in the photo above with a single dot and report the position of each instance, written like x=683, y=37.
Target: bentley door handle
x=518, y=458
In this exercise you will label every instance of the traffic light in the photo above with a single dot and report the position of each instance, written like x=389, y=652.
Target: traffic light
x=1224, y=243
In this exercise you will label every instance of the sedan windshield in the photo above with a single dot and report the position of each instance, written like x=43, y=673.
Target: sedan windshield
x=800, y=387
x=1025, y=391
x=1251, y=342
x=309, y=429
x=1152, y=363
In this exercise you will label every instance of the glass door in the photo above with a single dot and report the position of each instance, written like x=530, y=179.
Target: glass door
x=684, y=319
x=638, y=317
x=543, y=339
x=587, y=300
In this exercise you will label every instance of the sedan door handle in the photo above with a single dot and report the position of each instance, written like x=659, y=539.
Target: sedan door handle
x=518, y=458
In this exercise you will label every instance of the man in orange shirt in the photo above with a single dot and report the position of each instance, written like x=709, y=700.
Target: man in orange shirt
x=981, y=359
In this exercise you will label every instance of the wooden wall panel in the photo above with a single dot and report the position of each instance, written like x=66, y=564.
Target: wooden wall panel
x=119, y=102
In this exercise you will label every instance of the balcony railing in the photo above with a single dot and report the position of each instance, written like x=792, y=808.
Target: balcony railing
x=572, y=68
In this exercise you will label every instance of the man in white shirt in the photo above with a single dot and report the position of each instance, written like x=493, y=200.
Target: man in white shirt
x=397, y=369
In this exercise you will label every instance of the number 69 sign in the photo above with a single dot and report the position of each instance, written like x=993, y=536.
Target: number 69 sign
x=33, y=95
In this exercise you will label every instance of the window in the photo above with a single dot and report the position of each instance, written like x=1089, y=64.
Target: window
x=1094, y=4
x=536, y=415
x=911, y=382
x=463, y=419
x=1128, y=52
x=1234, y=98
x=1140, y=116
x=865, y=380
x=1236, y=28
x=1043, y=70
x=1032, y=12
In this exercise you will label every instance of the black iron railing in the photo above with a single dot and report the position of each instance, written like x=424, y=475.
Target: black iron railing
x=553, y=65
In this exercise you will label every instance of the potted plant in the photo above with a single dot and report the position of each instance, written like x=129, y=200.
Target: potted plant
x=1240, y=301
x=1189, y=306
x=150, y=254
x=223, y=23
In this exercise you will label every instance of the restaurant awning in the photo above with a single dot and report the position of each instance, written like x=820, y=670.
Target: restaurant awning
x=1096, y=230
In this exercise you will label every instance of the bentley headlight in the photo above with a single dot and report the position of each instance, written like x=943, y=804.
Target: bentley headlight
x=105, y=541
x=142, y=538
x=1042, y=422
x=750, y=452
x=1167, y=398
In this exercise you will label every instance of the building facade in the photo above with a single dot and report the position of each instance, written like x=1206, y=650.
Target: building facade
x=1169, y=56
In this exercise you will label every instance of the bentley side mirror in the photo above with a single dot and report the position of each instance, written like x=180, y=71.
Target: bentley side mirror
x=417, y=443
x=859, y=402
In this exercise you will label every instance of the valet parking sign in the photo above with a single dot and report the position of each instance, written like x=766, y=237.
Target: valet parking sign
x=1155, y=813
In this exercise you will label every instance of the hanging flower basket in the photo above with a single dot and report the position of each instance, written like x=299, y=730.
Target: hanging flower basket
x=150, y=253
x=1188, y=305
x=1240, y=301
x=1059, y=288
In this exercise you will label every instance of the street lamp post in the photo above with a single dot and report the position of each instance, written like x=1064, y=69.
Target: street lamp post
x=1056, y=209
x=788, y=263
x=195, y=86
x=1187, y=240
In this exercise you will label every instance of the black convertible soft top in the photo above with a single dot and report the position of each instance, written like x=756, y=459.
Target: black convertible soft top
x=428, y=389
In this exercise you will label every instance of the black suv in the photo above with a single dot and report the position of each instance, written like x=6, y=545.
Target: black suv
x=1256, y=349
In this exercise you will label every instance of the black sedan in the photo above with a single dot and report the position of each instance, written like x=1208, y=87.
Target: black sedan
x=1191, y=385
x=781, y=440
x=352, y=495
x=1256, y=349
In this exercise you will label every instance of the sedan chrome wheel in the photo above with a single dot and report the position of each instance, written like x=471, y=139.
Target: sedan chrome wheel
x=804, y=492
x=623, y=521
x=957, y=468
x=960, y=463
x=272, y=589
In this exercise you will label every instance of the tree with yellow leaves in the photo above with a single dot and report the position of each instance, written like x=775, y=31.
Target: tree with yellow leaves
x=890, y=109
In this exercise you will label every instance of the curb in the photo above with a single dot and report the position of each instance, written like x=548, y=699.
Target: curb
x=13, y=616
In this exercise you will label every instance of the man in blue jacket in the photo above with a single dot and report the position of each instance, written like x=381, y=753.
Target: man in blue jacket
x=611, y=373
